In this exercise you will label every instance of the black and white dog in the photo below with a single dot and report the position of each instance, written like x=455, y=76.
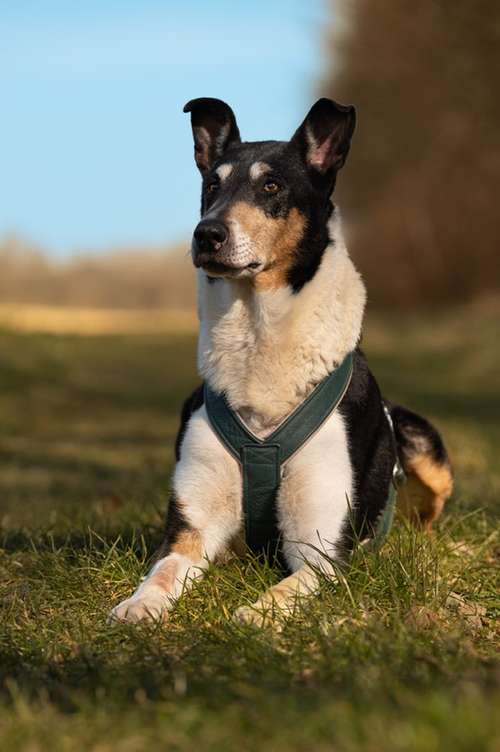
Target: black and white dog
x=280, y=306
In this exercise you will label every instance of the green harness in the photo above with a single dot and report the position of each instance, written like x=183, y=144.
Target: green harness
x=262, y=461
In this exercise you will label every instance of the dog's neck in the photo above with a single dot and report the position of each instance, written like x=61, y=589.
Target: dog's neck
x=268, y=350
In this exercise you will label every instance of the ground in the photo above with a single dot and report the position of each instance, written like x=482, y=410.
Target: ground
x=401, y=654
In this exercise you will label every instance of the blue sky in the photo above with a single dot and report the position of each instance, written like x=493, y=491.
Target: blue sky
x=95, y=150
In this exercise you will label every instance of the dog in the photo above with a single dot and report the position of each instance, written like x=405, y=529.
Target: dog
x=281, y=307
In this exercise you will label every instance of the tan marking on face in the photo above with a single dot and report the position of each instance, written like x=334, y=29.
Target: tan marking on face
x=257, y=169
x=274, y=241
x=224, y=171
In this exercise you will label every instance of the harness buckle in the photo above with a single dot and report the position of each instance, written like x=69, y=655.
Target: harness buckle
x=398, y=474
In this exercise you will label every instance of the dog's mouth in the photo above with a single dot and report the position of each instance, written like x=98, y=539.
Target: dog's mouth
x=224, y=269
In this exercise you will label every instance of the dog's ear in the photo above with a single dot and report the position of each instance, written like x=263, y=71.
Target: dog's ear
x=214, y=129
x=325, y=135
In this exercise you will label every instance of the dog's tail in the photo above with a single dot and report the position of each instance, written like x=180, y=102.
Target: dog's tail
x=427, y=466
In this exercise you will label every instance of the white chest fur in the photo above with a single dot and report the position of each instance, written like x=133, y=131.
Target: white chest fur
x=268, y=350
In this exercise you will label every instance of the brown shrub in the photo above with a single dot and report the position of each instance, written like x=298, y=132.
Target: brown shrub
x=421, y=186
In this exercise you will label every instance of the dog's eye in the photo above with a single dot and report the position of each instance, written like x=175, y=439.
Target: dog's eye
x=213, y=186
x=271, y=186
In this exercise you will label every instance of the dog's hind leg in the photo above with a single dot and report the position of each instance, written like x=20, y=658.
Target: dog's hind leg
x=425, y=461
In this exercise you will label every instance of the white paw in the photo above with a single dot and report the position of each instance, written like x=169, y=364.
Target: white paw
x=141, y=607
x=257, y=615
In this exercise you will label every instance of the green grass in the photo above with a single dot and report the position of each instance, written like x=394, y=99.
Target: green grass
x=400, y=655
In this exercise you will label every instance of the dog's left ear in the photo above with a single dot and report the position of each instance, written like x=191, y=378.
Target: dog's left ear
x=325, y=135
x=214, y=129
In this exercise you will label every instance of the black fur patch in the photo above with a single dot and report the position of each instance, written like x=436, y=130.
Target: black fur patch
x=193, y=403
x=370, y=449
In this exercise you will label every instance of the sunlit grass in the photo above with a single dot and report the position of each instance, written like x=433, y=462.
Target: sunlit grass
x=95, y=321
x=400, y=654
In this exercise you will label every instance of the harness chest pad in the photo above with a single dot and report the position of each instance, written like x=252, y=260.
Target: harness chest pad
x=262, y=460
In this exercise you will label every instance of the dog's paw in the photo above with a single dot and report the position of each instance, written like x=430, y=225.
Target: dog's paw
x=257, y=615
x=146, y=607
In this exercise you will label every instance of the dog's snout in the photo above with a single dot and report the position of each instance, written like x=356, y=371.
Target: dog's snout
x=210, y=235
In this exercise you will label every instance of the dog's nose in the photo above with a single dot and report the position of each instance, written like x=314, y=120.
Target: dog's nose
x=210, y=235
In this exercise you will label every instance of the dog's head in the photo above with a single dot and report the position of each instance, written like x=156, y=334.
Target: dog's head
x=265, y=204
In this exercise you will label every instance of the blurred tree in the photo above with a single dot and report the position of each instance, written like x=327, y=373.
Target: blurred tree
x=422, y=184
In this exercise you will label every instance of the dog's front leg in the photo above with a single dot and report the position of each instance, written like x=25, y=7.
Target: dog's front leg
x=168, y=578
x=282, y=598
x=204, y=517
x=313, y=509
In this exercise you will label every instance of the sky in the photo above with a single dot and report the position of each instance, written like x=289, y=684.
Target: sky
x=95, y=151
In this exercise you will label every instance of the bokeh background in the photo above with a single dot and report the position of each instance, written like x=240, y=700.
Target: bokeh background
x=99, y=192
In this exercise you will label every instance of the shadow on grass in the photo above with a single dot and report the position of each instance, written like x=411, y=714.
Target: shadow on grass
x=122, y=537
x=471, y=408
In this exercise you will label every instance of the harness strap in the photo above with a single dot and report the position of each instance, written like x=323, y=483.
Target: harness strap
x=261, y=480
x=261, y=460
x=398, y=478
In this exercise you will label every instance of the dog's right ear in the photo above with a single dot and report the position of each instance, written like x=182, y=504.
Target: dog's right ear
x=214, y=129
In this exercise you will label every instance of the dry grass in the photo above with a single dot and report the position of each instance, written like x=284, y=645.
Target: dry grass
x=95, y=321
x=451, y=328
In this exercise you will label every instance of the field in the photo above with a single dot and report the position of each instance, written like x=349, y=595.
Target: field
x=400, y=655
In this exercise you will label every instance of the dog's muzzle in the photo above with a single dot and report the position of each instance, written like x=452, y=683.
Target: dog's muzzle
x=210, y=235
x=209, y=239
x=215, y=251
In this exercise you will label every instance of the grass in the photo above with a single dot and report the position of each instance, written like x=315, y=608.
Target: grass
x=401, y=655
x=96, y=321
